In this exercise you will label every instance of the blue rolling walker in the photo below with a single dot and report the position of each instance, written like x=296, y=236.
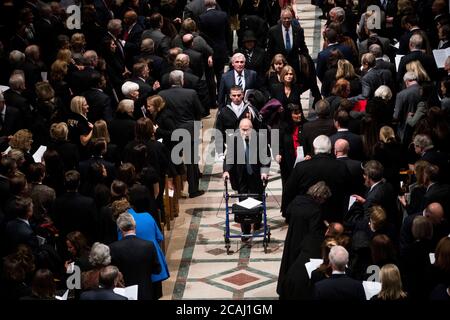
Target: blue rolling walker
x=244, y=215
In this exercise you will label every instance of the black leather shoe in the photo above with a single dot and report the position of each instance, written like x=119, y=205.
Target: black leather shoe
x=197, y=194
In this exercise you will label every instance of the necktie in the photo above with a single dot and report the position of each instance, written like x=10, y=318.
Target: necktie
x=125, y=35
x=249, y=57
x=288, y=41
x=247, y=157
x=240, y=80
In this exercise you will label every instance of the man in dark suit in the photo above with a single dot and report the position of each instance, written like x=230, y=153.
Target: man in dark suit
x=246, y=175
x=416, y=53
x=339, y=286
x=73, y=211
x=363, y=46
x=290, y=46
x=380, y=193
x=436, y=191
x=372, y=78
x=186, y=106
x=341, y=148
x=10, y=122
x=132, y=35
x=136, y=258
x=81, y=79
x=162, y=42
x=147, y=54
x=380, y=63
x=423, y=146
x=141, y=76
x=229, y=117
x=215, y=28
x=195, y=57
x=107, y=282
x=322, y=125
x=255, y=57
x=99, y=102
x=321, y=167
x=14, y=97
x=18, y=231
x=333, y=44
x=341, y=120
x=239, y=75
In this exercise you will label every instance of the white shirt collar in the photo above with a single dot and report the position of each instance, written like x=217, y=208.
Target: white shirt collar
x=373, y=186
x=338, y=272
x=24, y=220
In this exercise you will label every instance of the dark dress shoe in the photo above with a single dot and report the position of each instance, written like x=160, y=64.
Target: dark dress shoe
x=245, y=239
x=197, y=194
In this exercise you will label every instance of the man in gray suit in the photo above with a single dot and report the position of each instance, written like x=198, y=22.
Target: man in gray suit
x=406, y=103
x=372, y=78
x=162, y=42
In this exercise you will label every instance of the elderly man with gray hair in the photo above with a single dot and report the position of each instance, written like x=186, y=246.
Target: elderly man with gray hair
x=321, y=167
x=135, y=257
x=406, y=105
x=187, y=108
x=339, y=286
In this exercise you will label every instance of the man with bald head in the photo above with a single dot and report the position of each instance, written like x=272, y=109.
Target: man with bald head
x=132, y=33
x=196, y=59
x=245, y=166
x=435, y=213
x=341, y=148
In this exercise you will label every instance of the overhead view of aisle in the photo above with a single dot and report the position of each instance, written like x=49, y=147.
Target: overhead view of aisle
x=199, y=264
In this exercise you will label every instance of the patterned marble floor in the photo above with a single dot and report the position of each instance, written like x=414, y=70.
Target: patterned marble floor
x=199, y=265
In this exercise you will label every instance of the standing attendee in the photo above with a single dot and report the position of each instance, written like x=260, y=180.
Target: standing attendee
x=291, y=139
x=107, y=281
x=246, y=176
x=391, y=284
x=239, y=75
x=136, y=258
x=339, y=286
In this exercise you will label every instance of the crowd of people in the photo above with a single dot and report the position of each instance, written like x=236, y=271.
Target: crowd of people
x=365, y=181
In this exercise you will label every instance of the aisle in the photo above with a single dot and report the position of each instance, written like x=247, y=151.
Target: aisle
x=198, y=263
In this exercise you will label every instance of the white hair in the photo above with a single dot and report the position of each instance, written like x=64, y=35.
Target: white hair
x=383, y=92
x=128, y=87
x=410, y=76
x=99, y=255
x=322, y=144
x=338, y=257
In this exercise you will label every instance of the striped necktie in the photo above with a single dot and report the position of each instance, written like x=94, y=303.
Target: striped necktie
x=240, y=80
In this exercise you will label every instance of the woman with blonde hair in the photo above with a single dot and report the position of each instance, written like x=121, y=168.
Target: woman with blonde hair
x=345, y=70
x=80, y=129
x=416, y=67
x=100, y=131
x=391, y=284
x=163, y=119
x=22, y=140
x=391, y=154
x=78, y=43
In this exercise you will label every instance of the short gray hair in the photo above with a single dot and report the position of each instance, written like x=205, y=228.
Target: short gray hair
x=416, y=41
x=236, y=56
x=125, y=106
x=383, y=92
x=16, y=56
x=340, y=13
x=422, y=141
x=338, y=257
x=114, y=24
x=16, y=81
x=99, y=255
x=322, y=144
x=176, y=77
x=376, y=50
x=125, y=222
